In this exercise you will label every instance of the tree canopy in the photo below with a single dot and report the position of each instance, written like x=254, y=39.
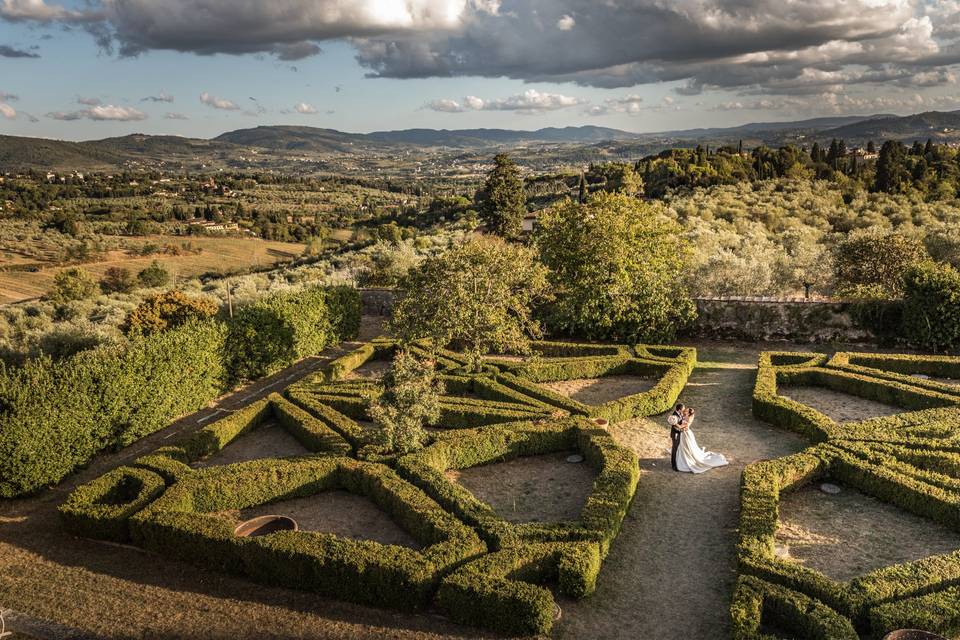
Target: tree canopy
x=615, y=268
x=478, y=297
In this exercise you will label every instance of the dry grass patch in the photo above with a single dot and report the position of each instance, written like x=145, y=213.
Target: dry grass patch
x=371, y=370
x=838, y=406
x=338, y=512
x=847, y=535
x=266, y=441
x=596, y=391
x=544, y=488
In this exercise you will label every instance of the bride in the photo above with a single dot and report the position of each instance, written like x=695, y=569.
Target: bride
x=691, y=458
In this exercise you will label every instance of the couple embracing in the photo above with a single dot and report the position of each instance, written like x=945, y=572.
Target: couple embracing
x=685, y=455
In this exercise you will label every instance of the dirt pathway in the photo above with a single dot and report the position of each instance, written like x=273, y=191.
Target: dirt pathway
x=670, y=573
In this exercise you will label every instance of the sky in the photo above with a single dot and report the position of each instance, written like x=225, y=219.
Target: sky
x=90, y=69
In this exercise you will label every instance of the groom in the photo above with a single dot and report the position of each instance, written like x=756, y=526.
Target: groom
x=676, y=420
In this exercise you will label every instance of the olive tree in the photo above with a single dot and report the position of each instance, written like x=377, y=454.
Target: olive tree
x=616, y=269
x=477, y=297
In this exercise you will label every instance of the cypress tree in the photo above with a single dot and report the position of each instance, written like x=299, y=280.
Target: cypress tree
x=502, y=202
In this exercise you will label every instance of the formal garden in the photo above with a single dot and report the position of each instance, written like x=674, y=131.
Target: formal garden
x=492, y=459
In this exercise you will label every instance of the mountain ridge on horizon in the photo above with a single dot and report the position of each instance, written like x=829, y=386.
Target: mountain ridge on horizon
x=290, y=140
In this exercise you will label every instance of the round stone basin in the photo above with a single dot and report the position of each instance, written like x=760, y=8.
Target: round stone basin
x=264, y=525
x=912, y=634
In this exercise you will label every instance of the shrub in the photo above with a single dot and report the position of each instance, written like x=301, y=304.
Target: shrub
x=931, y=306
x=162, y=311
x=278, y=330
x=153, y=276
x=101, y=508
x=73, y=284
x=54, y=416
x=759, y=606
x=117, y=280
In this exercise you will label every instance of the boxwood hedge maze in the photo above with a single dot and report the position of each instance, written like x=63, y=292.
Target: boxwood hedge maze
x=910, y=460
x=472, y=565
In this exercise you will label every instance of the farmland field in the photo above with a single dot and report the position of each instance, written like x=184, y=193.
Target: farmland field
x=207, y=254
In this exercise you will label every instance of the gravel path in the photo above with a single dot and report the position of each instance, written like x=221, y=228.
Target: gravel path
x=670, y=573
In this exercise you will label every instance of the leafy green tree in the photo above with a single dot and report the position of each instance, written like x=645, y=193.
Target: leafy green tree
x=503, y=202
x=73, y=284
x=871, y=265
x=118, y=280
x=617, y=177
x=167, y=310
x=616, y=270
x=408, y=401
x=155, y=275
x=477, y=297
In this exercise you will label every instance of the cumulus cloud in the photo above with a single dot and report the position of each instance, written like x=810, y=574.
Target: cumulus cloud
x=5, y=109
x=170, y=115
x=163, y=96
x=750, y=46
x=40, y=11
x=90, y=102
x=7, y=51
x=528, y=102
x=289, y=29
x=106, y=112
x=218, y=103
x=304, y=108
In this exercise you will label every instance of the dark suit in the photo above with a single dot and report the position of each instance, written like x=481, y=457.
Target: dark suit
x=675, y=435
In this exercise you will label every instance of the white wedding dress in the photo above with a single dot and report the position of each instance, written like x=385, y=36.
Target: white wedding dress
x=691, y=458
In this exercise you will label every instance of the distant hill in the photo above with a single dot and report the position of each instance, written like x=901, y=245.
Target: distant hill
x=39, y=153
x=291, y=138
x=759, y=128
x=287, y=147
x=938, y=125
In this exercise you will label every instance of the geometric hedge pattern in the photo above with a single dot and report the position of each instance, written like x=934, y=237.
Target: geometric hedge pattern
x=472, y=565
x=910, y=460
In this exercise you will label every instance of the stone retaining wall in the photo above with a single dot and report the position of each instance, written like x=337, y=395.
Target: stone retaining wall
x=741, y=318
x=789, y=319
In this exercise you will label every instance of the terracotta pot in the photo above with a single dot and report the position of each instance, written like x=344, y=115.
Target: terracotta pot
x=264, y=525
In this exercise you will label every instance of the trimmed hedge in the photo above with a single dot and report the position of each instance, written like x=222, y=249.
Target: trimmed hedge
x=183, y=524
x=602, y=515
x=56, y=415
x=759, y=605
x=275, y=331
x=672, y=365
x=934, y=612
x=875, y=469
x=501, y=591
x=102, y=508
x=901, y=367
x=786, y=369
